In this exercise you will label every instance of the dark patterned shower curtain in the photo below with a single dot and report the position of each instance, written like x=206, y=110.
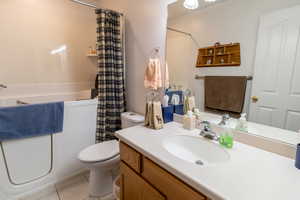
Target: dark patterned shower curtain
x=111, y=86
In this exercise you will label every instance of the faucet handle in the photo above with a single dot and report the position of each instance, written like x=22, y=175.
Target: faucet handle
x=226, y=117
x=206, y=125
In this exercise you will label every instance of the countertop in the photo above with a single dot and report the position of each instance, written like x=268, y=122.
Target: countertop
x=250, y=174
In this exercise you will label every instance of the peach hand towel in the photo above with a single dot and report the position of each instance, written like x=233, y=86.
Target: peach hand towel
x=153, y=79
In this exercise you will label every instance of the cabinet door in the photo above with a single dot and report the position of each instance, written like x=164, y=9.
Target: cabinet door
x=135, y=188
x=171, y=187
x=131, y=157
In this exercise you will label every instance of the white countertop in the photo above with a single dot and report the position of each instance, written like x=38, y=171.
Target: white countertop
x=251, y=173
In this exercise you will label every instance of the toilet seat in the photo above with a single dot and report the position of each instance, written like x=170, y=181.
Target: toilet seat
x=100, y=152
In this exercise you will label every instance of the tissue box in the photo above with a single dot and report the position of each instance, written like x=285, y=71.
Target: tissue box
x=298, y=157
x=168, y=113
x=178, y=109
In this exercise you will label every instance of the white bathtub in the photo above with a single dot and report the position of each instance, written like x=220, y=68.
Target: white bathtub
x=31, y=165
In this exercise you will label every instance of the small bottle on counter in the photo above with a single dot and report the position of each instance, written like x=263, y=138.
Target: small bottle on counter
x=242, y=124
x=189, y=121
x=198, y=118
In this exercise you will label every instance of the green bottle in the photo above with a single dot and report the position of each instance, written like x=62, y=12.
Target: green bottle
x=226, y=139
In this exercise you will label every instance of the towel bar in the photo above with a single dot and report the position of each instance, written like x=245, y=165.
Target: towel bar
x=197, y=77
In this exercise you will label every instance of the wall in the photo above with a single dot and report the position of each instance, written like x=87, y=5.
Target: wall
x=31, y=30
x=145, y=29
x=231, y=21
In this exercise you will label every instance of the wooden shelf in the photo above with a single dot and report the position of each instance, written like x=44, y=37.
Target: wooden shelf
x=220, y=65
x=227, y=55
x=91, y=55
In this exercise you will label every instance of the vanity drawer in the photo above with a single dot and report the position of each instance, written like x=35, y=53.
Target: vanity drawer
x=131, y=157
x=136, y=188
x=170, y=186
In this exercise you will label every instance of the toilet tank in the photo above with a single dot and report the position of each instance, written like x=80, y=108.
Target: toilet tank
x=130, y=119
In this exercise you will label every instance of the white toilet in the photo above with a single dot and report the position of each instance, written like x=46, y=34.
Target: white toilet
x=103, y=159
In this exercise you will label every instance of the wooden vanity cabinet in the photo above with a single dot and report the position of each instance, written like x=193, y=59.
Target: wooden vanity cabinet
x=142, y=179
x=136, y=188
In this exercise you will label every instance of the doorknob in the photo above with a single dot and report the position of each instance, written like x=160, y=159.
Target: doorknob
x=254, y=99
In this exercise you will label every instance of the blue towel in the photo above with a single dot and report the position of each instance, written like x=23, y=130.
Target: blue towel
x=31, y=120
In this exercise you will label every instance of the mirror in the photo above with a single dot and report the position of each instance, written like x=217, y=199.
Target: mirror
x=269, y=55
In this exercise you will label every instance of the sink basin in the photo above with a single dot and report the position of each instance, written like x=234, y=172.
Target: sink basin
x=196, y=150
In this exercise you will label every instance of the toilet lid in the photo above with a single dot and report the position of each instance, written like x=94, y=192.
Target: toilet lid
x=100, y=152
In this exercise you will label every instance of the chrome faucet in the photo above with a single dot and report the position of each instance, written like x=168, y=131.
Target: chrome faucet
x=207, y=132
x=3, y=86
x=225, y=119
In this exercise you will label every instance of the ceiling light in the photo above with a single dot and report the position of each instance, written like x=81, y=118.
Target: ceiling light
x=191, y=4
x=209, y=0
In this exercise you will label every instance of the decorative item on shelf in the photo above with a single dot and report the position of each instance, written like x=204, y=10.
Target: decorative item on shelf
x=217, y=44
x=220, y=55
x=209, y=62
x=221, y=51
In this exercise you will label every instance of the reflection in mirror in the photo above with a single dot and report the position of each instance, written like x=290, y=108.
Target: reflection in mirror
x=240, y=56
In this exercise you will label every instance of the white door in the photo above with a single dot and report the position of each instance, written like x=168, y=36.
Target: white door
x=276, y=85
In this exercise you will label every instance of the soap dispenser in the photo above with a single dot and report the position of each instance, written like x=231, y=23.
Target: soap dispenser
x=189, y=121
x=242, y=124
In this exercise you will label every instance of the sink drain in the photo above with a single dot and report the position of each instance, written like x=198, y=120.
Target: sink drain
x=199, y=162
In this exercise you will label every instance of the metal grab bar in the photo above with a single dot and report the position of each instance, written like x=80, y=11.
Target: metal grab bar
x=3, y=86
x=84, y=3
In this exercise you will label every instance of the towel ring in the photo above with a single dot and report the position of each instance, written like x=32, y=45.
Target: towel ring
x=155, y=52
x=152, y=96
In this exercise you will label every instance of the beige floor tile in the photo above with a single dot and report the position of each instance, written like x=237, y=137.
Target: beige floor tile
x=50, y=197
x=87, y=175
x=109, y=197
x=73, y=189
x=45, y=194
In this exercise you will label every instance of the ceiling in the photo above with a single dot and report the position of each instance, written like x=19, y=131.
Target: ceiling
x=176, y=9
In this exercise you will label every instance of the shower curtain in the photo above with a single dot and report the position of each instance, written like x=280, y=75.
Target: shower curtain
x=111, y=86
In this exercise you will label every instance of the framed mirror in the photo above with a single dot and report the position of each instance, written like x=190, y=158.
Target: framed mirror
x=269, y=38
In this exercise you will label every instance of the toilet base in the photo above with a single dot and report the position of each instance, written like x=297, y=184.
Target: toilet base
x=100, y=183
x=102, y=175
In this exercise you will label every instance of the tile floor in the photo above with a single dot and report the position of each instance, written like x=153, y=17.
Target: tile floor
x=73, y=189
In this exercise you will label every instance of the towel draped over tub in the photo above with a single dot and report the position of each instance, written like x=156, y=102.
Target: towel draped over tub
x=31, y=120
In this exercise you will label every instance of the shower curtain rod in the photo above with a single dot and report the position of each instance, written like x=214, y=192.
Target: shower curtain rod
x=90, y=5
x=185, y=33
x=85, y=4
x=178, y=31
